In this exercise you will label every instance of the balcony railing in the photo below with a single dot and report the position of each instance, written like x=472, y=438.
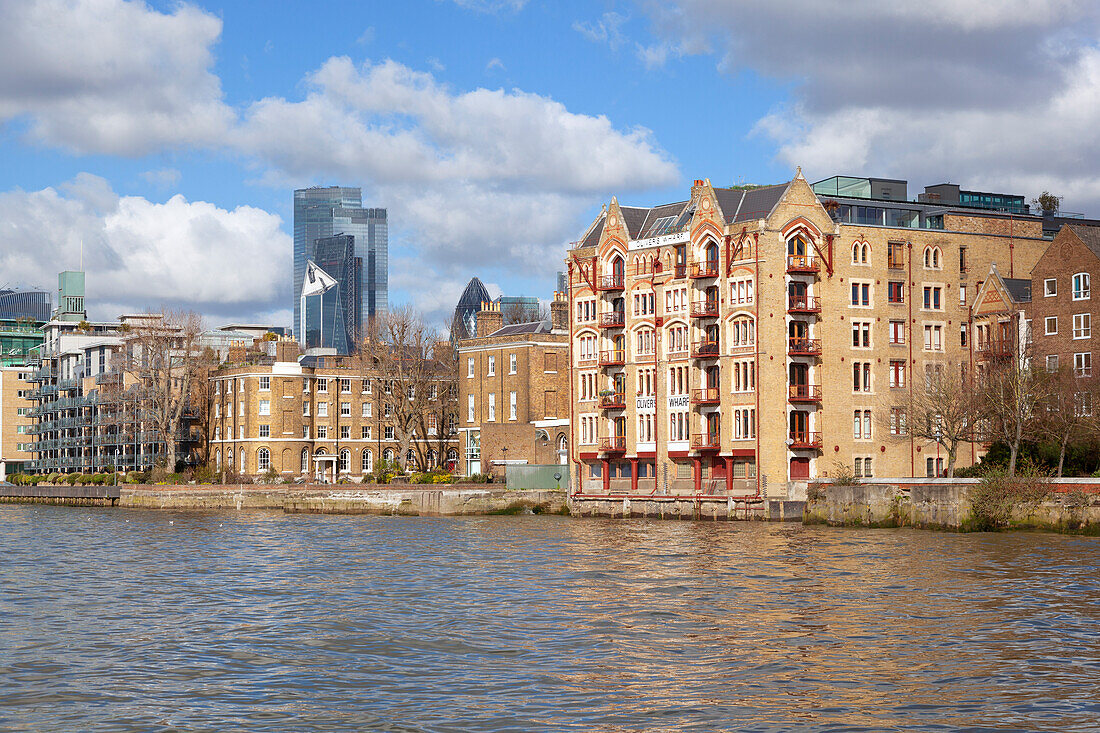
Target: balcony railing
x=706, y=396
x=704, y=269
x=801, y=440
x=803, y=304
x=612, y=358
x=614, y=319
x=613, y=401
x=609, y=282
x=705, y=441
x=704, y=349
x=679, y=271
x=802, y=263
x=615, y=444
x=805, y=393
x=801, y=346
x=704, y=309
x=995, y=349
x=587, y=358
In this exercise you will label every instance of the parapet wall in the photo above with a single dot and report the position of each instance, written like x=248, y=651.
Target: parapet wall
x=713, y=508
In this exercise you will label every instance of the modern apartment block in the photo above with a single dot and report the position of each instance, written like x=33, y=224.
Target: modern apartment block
x=745, y=341
x=513, y=391
x=323, y=212
x=314, y=417
x=16, y=437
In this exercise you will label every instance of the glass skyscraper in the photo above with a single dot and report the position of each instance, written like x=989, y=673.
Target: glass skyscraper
x=341, y=307
x=323, y=212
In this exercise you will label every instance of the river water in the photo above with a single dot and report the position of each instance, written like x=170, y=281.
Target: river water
x=117, y=620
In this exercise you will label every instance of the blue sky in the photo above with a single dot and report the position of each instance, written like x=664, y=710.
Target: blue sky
x=167, y=136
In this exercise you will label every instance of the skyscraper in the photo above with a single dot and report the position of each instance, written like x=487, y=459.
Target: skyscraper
x=341, y=307
x=322, y=212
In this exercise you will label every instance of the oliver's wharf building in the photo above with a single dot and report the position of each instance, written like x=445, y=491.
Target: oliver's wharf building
x=744, y=341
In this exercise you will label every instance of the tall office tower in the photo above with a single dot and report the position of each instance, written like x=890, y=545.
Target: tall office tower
x=326, y=211
x=27, y=305
x=341, y=307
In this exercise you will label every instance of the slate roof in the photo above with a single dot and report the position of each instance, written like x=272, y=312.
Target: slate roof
x=592, y=238
x=519, y=328
x=1089, y=235
x=1018, y=288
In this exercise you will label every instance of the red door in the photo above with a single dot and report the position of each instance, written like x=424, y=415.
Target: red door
x=800, y=469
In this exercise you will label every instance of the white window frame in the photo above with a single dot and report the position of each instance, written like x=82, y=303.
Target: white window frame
x=1085, y=291
x=1082, y=326
x=1050, y=287
x=1047, y=323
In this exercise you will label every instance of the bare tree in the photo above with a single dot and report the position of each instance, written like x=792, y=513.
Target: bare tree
x=162, y=352
x=1011, y=391
x=440, y=412
x=946, y=411
x=1066, y=413
x=397, y=350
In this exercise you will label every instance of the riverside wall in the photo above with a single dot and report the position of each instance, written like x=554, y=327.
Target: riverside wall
x=689, y=506
x=944, y=504
x=306, y=499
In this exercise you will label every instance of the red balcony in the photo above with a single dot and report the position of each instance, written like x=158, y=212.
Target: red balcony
x=679, y=271
x=609, y=282
x=705, y=441
x=805, y=393
x=614, y=319
x=613, y=402
x=704, y=349
x=704, y=309
x=803, y=304
x=707, y=396
x=801, y=346
x=616, y=444
x=612, y=358
x=805, y=441
x=704, y=269
x=803, y=264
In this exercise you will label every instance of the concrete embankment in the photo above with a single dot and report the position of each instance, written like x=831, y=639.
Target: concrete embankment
x=1073, y=506
x=703, y=507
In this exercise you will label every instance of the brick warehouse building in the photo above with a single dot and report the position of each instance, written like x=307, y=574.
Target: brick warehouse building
x=749, y=340
x=315, y=417
x=513, y=385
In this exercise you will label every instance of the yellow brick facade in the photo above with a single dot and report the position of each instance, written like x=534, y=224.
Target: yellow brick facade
x=15, y=420
x=767, y=311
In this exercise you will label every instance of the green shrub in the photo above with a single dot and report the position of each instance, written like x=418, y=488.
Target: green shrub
x=53, y=478
x=72, y=478
x=998, y=495
x=844, y=476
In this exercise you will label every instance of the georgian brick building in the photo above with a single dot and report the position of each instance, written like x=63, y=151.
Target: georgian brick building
x=513, y=384
x=314, y=417
x=745, y=341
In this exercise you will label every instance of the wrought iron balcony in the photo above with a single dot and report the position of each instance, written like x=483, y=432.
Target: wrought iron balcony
x=802, y=264
x=801, y=346
x=614, y=319
x=805, y=393
x=705, y=441
x=803, y=304
x=704, y=349
x=704, y=309
x=679, y=271
x=804, y=440
x=704, y=269
x=612, y=358
x=614, y=444
x=615, y=401
x=706, y=396
x=609, y=282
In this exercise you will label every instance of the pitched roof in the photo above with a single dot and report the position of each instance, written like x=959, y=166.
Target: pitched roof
x=518, y=328
x=633, y=217
x=1018, y=288
x=1089, y=235
x=592, y=236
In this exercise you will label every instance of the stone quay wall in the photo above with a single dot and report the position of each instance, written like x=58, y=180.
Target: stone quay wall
x=944, y=504
x=710, y=508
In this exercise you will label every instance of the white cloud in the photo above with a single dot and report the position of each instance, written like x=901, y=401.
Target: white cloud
x=494, y=63
x=492, y=6
x=989, y=95
x=162, y=177
x=608, y=29
x=141, y=254
x=110, y=76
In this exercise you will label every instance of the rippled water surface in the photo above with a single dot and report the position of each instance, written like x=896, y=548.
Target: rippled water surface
x=155, y=621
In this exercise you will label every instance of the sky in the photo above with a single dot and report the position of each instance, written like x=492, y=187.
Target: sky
x=158, y=143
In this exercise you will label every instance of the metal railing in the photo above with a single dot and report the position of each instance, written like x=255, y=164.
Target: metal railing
x=805, y=393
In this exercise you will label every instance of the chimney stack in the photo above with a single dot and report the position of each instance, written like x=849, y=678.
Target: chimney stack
x=489, y=319
x=559, y=313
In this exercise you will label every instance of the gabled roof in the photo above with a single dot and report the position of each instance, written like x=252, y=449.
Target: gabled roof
x=518, y=328
x=1090, y=236
x=633, y=217
x=592, y=236
x=1018, y=288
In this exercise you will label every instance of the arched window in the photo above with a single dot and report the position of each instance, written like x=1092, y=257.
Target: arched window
x=712, y=255
x=432, y=457
x=345, y=460
x=452, y=459
x=855, y=253
x=305, y=460
x=796, y=246
x=410, y=457
x=866, y=251
x=367, y=461
x=617, y=267
x=263, y=460
x=244, y=462
x=218, y=459
x=742, y=332
x=387, y=455
x=932, y=258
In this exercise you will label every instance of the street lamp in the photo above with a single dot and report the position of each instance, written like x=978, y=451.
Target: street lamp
x=939, y=438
